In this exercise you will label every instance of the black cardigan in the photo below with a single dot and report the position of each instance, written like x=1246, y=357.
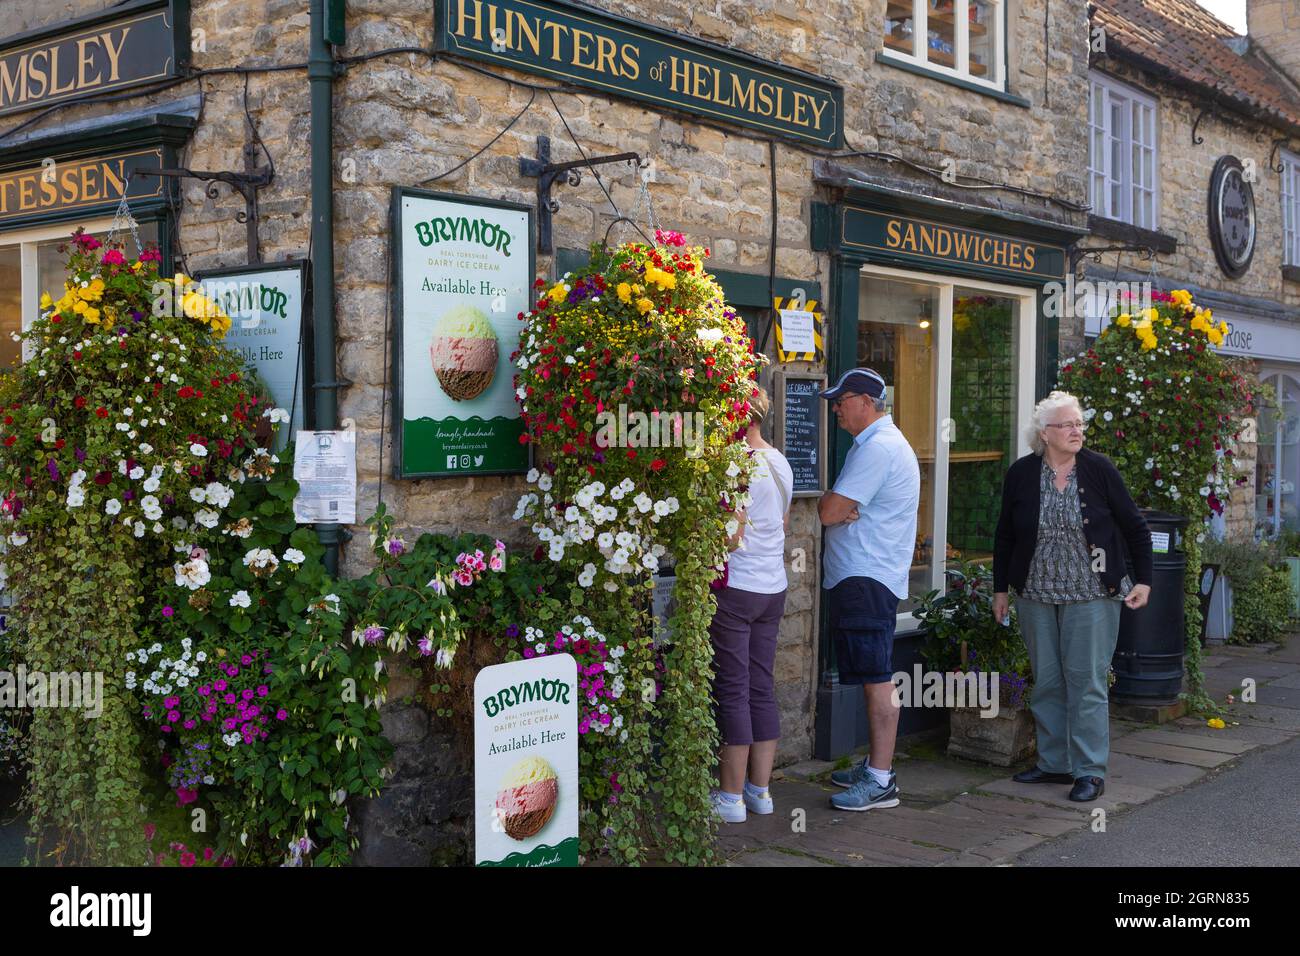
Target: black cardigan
x=1111, y=521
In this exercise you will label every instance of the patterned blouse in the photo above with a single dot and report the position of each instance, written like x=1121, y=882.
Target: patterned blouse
x=1061, y=570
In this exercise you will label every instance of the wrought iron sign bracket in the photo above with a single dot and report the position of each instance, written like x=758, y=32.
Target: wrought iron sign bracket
x=548, y=174
x=246, y=184
x=1281, y=166
x=1197, y=139
x=1095, y=254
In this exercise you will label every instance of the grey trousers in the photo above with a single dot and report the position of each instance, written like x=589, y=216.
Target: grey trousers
x=1070, y=649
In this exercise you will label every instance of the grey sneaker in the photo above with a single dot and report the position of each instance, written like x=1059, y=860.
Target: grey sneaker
x=856, y=774
x=851, y=776
x=867, y=795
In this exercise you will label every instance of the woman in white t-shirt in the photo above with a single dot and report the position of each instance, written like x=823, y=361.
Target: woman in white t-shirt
x=744, y=633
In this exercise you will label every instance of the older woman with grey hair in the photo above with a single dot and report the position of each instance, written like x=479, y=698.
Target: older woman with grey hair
x=1067, y=530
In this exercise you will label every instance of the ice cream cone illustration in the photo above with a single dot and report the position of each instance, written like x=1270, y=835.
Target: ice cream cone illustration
x=464, y=352
x=526, y=798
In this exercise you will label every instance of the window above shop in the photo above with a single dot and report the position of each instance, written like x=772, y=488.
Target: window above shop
x=962, y=39
x=1123, y=158
x=1290, y=209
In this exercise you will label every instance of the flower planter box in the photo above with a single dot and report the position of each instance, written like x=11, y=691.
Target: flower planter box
x=1003, y=740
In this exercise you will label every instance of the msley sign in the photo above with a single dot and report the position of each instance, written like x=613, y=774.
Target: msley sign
x=626, y=58
x=138, y=42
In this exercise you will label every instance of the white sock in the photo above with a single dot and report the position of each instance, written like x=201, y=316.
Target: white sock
x=754, y=788
x=880, y=776
x=730, y=797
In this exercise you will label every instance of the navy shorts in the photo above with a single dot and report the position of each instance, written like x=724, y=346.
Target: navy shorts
x=863, y=613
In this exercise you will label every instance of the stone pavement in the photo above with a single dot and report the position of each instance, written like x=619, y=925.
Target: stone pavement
x=958, y=813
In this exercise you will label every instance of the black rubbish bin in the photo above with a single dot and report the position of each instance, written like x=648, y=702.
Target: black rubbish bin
x=1148, y=658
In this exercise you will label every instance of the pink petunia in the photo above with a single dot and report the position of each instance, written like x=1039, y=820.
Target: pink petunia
x=187, y=859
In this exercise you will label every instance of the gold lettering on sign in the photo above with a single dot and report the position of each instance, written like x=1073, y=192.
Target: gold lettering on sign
x=943, y=242
x=79, y=183
x=66, y=65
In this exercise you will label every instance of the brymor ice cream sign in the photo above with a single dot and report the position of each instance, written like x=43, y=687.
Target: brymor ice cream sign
x=464, y=269
x=617, y=55
x=526, y=763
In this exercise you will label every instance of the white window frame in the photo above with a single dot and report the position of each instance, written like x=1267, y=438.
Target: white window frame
x=1290, y=209
x=27, y=241
x=1026, y=326
x=1103, y=93
x=919, y=54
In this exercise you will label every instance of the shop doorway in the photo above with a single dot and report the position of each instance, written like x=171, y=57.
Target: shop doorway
x=959, y=359
x=1277, y=468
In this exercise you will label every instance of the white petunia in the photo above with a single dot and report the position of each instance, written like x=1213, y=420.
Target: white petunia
x=112, y=506
x=240, y=599
x=198, y=450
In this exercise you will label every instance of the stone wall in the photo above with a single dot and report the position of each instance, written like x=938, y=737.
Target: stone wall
x=406, y=119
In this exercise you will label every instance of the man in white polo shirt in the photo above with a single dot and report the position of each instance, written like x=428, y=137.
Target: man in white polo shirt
x=870, y=520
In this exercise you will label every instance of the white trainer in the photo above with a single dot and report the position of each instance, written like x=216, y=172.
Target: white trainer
x=757, y=799
x=727, y=811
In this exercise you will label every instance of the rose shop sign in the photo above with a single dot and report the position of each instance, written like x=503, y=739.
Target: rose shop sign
x=631, y=59
x=138, y=42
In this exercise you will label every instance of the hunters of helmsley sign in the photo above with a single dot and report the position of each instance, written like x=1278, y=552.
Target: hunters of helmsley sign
x=610, y=53
x=137, y=42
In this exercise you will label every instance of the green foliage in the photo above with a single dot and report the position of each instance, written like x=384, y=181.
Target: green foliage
x=1167, y=408
x=265, y=623
x=1261, y=607
x=960, y=621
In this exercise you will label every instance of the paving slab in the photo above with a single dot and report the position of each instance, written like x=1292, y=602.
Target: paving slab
x=1291, y=680
x=1220, y=681
x=968, y=859
x=1007, y=847
x=775, y=858
x=1214, y=660
x=853, y=846
x=1168, y=752
x=1290, y=653
x=1237, y=729
x=1286, y=718
x=1152, y=774
x=1117, y=795
x=1224, y=743
x=1276, y=696
x=1260, y=668
x=1019, y=815
x=923, y=826
x=804, y=770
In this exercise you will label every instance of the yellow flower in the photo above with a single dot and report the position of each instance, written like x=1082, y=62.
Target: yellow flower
x=91, y=315
x=181, y=279
x=644, y=305
x=1168, y=322
x=558, y=293
x=1223, y=326
x=1215, y=722
x=46, y=301
x=1215, y=336
x=1150, y=315
x=1124, y=320
x=624, y=292
x=79, y=306
x=1181, y=297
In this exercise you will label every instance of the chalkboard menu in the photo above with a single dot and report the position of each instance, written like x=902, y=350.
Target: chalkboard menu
x=801, y=428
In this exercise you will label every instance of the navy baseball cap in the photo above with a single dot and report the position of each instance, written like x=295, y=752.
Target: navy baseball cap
x=857, y=381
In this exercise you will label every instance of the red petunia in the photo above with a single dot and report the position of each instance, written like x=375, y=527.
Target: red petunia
x=657, y=464
x=101, y=411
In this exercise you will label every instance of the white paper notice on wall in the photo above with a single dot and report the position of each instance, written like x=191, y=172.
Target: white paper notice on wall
x=325, y=467
x=797, y=331
x=1160, y=542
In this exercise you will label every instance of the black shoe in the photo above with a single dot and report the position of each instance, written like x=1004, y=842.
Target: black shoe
x=1035, y=775
x=1087, y=788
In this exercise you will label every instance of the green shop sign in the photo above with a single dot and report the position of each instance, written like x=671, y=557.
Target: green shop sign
x=620, y=56
x=912, y=241
x=463, y=271
x=138, y=42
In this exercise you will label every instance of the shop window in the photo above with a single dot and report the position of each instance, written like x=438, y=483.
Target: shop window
x=1122, y=153
x=961, y=38
x=958, y=360
x=30, y=263
x=1277, y=465
x=1290, y=209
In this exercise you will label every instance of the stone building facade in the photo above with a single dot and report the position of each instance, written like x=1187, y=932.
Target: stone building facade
x=989, y=154
x=1214, y=95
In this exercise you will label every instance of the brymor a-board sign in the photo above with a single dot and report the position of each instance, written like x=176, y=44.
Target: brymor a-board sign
x=526, y=763
x=463, y=273
x=266, y=308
